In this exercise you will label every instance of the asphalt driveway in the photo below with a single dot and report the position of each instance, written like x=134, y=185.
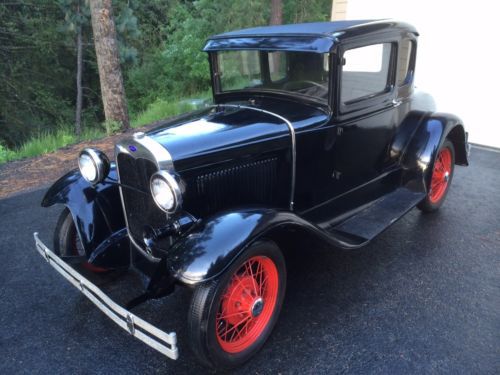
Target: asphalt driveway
x=422, y=298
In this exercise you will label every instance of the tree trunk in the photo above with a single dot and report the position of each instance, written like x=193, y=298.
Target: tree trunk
x=276, y=19
x=108, y=61
x=276, y=12
x=79, y=72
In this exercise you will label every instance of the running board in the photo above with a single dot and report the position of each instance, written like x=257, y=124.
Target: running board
x=373, y=220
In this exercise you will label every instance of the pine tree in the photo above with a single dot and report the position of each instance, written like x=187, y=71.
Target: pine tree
x=108, y=61
x=276, y=12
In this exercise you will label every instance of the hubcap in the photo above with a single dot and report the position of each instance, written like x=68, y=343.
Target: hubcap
x=446, y=176
x=257, y=307
x=247, y=304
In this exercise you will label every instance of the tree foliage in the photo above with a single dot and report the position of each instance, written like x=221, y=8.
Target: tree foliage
x=160, y=48
x=30, y=98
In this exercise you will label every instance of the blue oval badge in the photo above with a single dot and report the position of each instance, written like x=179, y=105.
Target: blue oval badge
x=132, y=148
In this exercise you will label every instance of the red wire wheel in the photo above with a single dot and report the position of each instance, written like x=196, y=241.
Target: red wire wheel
x=247, y=304
x=440, y=175
x=231, y=316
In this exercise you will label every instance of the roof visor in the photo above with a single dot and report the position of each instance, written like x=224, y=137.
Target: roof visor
x=275, y=43
x=318, y=37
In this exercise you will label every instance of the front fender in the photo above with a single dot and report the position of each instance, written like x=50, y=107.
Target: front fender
x=421, y=150
x=213, y=244
x=97, y=214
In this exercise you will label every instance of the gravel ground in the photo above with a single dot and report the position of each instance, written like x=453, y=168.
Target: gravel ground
x=424, y=297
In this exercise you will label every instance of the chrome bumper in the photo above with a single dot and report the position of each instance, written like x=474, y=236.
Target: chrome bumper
x=165, y=343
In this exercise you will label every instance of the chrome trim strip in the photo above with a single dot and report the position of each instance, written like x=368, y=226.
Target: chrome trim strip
x=291, y=129
x=165, y=343
x=146, y=148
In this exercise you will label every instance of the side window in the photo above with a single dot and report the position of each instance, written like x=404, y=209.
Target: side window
x=404, y=69
x=365, y=72
x=277, y=65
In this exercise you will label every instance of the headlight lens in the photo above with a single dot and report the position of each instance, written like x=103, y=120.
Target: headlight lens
x=87, y=168
x=94, y=165
x=162, y=193
x=166, y=192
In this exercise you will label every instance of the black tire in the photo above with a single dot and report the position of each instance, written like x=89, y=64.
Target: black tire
x=67, y=242
x=428, y=204
x=65, y=236
x=207, y=300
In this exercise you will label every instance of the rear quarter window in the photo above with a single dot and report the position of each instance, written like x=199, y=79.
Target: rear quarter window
x=405, y=68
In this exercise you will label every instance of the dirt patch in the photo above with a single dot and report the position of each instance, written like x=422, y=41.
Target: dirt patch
x=29, y=174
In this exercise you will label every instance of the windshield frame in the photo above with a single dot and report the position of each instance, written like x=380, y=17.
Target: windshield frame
x=221, y=95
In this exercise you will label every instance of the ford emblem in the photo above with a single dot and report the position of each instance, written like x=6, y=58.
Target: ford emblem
x=132, y=148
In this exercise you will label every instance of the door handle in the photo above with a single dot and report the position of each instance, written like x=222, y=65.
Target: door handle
x=396, y=102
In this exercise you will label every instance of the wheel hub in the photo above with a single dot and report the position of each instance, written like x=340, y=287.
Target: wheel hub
x=257, y=307
x=241, y=301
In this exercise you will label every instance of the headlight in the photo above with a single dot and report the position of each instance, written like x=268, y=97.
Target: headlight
x=166, y=191
x=94, y=165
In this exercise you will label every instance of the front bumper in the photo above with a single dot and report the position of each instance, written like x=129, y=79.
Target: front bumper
x=165, y=343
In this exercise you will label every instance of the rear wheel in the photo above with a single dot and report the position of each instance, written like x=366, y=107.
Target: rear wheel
x=442, y=174
x=231, y=317
x=67, y=242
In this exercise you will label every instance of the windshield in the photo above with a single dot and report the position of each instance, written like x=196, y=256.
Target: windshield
x=304, y=73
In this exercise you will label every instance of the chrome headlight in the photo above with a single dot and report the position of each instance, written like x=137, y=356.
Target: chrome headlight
x=166, y=191
x=94, y=165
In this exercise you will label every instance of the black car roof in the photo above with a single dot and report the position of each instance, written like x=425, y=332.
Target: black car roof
x=313, y=36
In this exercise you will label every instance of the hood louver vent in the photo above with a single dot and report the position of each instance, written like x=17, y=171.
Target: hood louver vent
x=247, y=183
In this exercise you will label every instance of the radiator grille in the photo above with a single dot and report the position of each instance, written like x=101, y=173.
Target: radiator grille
x=140, y=208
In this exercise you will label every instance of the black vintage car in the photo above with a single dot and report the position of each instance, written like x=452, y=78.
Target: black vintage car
x=316, y=131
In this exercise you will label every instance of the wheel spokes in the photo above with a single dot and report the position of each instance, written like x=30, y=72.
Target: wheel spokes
x=440, y=175
x=247, y=304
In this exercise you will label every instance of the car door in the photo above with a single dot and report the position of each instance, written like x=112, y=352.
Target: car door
x=367, y=117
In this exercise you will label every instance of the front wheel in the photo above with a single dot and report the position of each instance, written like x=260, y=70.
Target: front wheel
x=442, y=174
x=67, y=242
x=231, y=317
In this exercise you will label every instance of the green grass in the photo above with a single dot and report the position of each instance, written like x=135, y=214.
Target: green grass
x=47, y=142
x=51, y=141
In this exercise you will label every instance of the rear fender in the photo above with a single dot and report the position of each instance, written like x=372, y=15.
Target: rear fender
x=97, y=214
x=420, y=152
x=212, y=245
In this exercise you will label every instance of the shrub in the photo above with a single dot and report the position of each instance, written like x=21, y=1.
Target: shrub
x=5, y=154
x=164, y=108
x=112, y=126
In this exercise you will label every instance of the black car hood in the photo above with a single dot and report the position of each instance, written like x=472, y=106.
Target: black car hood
x=205, y=136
